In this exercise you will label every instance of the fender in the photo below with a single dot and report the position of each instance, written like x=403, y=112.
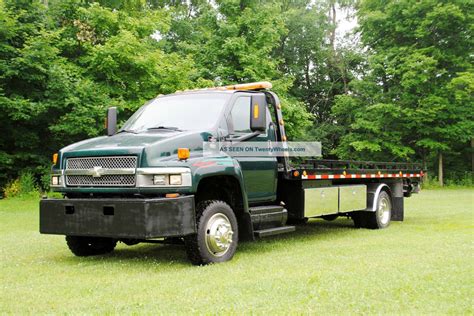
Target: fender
x=218, y=166
x=373, y=192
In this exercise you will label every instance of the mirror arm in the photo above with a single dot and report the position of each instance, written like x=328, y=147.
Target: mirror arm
x=245, y=137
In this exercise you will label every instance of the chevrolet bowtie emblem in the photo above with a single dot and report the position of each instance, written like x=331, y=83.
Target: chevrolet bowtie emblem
x=96, y=172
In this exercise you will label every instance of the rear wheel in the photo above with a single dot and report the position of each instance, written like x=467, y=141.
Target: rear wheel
x=90, y=246
x=378, y=219
x=381, y=217
x=330, y=218
x=217, y=234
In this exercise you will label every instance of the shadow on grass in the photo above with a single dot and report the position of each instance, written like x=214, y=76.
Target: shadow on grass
x=314, y=230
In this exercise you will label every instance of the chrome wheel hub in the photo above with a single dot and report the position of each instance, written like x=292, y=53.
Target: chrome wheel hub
x=218, y=234
x=384, y=211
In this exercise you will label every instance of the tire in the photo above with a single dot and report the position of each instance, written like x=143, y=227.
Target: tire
x=383, y=213
x=90, y=246
x=330, y=218
x=297, y=221
x=378, y=219
x=217, y=234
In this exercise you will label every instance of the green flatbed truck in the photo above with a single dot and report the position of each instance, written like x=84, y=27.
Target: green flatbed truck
x=150, y=181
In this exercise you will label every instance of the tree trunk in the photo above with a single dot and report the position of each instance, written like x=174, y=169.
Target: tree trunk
x=440, y=168
x=472, y=154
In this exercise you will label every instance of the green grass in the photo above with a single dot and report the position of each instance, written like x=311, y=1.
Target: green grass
x=423, y=265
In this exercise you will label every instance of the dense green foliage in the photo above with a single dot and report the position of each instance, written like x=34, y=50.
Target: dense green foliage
x=416, y=99
x=407, y=95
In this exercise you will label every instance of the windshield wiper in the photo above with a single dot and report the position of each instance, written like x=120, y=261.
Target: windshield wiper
x=171, y=128
x=127, y=131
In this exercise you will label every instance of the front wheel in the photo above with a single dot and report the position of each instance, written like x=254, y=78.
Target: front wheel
x=90, y=246
x=217, y=234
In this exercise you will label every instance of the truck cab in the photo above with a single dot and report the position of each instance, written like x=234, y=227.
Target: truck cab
x=153, y=181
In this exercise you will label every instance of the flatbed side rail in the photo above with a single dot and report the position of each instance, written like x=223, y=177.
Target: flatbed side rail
x=327, y=165
x=317, y=169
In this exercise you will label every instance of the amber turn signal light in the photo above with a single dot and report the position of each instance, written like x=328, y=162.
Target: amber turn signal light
x=255, y=111
x=55, y=158
x=183, y=153
x=172, y=195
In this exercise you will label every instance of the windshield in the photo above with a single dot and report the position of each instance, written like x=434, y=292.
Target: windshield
x=179, y=112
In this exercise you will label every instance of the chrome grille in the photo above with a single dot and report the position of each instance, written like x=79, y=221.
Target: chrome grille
x=104, y=162
x=119, y=171
x=111, y=180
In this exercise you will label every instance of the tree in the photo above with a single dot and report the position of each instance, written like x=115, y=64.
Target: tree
x=63, y=64
x=234, y=42
x=320, y=68
x=406, y=106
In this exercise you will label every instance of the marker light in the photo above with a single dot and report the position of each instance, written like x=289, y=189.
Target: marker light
x=55, y=158
x=255, y=111
x=183, y=153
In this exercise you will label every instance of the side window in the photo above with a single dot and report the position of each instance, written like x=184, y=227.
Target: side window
x=241, y=115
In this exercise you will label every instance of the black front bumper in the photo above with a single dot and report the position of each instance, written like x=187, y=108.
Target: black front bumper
x=119, y=218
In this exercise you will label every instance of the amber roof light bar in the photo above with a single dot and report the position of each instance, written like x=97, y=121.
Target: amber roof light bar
x=242, y=87
x=249, y=86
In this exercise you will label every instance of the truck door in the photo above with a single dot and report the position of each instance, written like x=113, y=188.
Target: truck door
x=260, y=173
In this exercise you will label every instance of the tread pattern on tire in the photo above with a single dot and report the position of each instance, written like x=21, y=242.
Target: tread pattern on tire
x=364, y=219
x=190, y=242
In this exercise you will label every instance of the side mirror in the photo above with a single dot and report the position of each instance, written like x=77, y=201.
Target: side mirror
x=111, y=122
x=258, y=113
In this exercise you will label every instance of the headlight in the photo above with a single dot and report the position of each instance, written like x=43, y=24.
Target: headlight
x=55, y=180
x=160, y=179
x=175, y=179
x=163, y=177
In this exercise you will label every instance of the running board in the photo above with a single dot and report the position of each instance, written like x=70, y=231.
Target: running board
x=274, y=231
x=266, y=217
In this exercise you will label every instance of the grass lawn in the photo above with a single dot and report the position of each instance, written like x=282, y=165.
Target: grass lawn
x=423, y=265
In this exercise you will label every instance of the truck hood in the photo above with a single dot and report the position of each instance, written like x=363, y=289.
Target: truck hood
x=152, y=147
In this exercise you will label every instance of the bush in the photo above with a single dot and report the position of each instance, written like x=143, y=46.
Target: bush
x=455, y=180
x=25, y=185
x=45, y=179
x=12, y=189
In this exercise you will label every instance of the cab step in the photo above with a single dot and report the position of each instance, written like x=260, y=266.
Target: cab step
x=269, y=216
x=274, y=231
